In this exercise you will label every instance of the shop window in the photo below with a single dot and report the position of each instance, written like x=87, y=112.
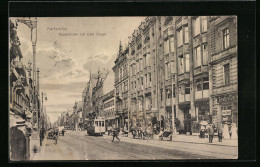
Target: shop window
x=198, y=86
x=225, y=38
x=186, y=35
x=205, y=54
x=205, y=83
x=187, y=88
x=179, y=38
x=197, y=55
x=226, y=74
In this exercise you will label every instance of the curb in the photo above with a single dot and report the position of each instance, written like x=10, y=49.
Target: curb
x=188, y=142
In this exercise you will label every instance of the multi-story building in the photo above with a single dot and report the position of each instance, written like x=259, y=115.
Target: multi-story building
x=109, y=108
x=223, y=68
x=121, y=86
x=78, y=119
x=143, y=51
x=20, y=100
x=183, y=66
x=92, y=95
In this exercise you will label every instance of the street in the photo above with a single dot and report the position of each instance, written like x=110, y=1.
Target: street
x=80, y=146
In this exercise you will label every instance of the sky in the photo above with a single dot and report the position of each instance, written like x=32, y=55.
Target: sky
x=65, y=59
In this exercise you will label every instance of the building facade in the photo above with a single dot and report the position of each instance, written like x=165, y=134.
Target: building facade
x=184, y=66
x=109, y=112
x=120, y=70
x=223, y=64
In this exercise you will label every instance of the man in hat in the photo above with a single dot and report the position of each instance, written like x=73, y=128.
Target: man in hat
x=115, y=133
x=211, y=133
x=220, y=131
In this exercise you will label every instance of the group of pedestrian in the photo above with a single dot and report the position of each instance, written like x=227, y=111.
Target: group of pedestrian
x=226, y=132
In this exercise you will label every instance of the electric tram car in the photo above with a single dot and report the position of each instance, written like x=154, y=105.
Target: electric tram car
x=96, y=127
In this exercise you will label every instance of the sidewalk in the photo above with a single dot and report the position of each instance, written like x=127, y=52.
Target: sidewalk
x=39, y=155
x=184, y=139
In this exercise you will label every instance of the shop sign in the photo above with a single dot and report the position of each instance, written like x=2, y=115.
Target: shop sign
x=226, y=112
x=227, y=98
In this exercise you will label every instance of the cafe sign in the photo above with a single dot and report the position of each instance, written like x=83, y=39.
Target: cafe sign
x=226, y=112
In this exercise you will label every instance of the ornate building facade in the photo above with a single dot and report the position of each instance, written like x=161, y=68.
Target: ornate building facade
x=184, y=66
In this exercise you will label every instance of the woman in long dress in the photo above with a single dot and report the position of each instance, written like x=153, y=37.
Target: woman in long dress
x=234, y=131
x=226, y=132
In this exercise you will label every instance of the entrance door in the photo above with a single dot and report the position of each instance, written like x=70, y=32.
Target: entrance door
x=17, y=144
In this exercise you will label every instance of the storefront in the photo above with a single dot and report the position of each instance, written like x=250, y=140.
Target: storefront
x=202, y=111
x=225, y=109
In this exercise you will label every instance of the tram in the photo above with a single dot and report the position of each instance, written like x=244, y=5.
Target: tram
x=96, y=127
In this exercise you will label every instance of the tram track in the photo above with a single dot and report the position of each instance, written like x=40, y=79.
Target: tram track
x=139, y=152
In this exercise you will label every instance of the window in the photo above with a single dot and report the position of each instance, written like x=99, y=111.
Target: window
x=205, y=54
x=142, y=81
x=161, y=95
x=167, y=71
x=186, y=35
x=197, y=54
x=205, y=83
x=203, y=23
x=181, y=65
x=148, y=59
x=171, y=44
x=137, y=66
x=226, y=38
x=150, y=79
x=199, y=86
x=146, y=80
x=173, y=90
x=141, y=64
x=173, y=67
x=196, y=27
x=226, y=74
x=166, y=47
x=179, y=38
x=187, y=88
x=187, y=62
x=169, y=93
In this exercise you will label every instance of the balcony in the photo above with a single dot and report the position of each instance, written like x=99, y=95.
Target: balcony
x=181, y=98
x=148, y=90
x=201, y=69
x=184, y=76
x=198, y=94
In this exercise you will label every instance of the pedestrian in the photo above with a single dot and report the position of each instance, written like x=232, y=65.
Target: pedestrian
x=226, y=134
x=211, y=133
x=220, y=132
x=234, y=131
x=63, y=131
x=115, y=133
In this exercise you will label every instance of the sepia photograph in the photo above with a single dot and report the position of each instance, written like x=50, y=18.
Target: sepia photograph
x=123, y=88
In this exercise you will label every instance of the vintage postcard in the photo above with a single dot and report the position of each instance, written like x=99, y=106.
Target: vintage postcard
x=123, y=88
